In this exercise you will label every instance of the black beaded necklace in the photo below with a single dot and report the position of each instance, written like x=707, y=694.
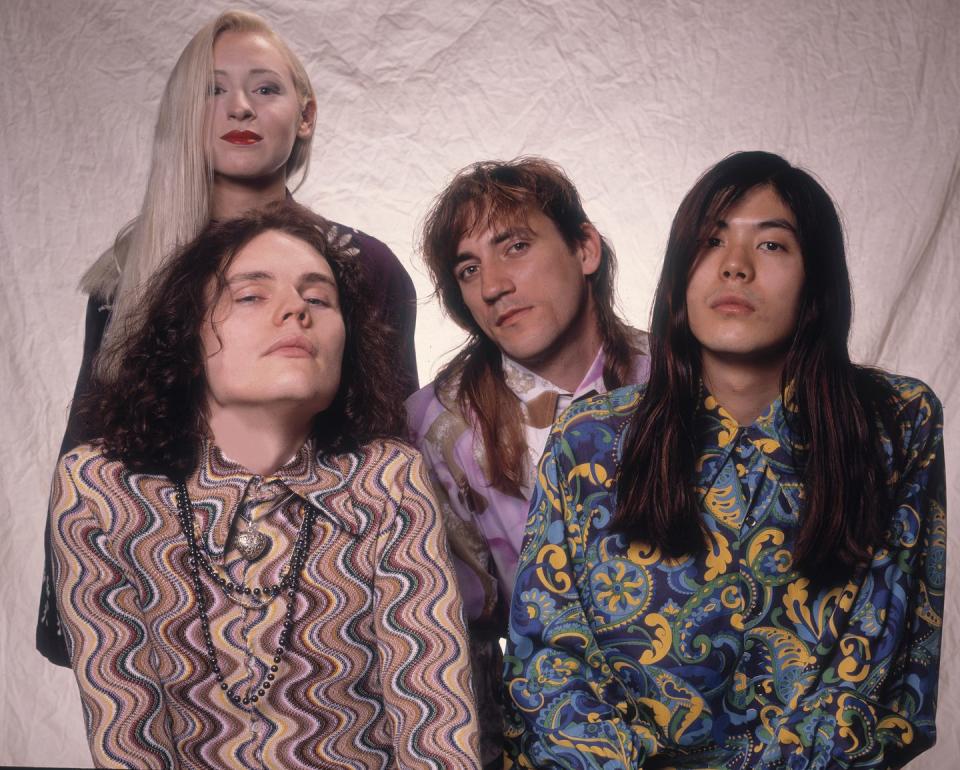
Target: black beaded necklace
x=289, y=583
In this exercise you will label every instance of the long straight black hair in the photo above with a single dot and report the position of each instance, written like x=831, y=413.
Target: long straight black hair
x=839, y=451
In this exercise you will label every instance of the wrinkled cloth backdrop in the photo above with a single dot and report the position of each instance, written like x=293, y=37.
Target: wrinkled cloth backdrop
x=634, y=99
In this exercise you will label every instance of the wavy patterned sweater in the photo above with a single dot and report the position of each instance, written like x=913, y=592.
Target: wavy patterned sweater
x=376, y=674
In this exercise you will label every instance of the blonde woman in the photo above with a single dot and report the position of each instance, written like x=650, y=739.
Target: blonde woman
x=233, y=133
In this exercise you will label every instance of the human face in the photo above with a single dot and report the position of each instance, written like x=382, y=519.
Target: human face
x=256, y=113
x=745, y=287
x=275, y=336
x=527, y=290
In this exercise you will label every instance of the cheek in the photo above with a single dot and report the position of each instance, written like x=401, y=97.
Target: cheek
x=791, y=290
x=474, y=303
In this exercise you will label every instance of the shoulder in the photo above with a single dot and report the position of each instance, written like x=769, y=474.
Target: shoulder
x=89, y=461
x=594, y=426
x=380, y=457
x=384, y=475
x=85, y=478
x=913, y=411
x=605, y=409
x=370, y=250
x=432, y=404
x=639, y=342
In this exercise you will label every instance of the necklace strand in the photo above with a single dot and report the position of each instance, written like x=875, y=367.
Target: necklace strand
x=290, y=583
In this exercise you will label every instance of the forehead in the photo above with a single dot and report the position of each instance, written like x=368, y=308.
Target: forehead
x=483, y=228
x=758, y=205
x=280, y=254
x=246, y=50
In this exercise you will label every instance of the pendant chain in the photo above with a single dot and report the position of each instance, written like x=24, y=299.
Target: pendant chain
x=290, y=584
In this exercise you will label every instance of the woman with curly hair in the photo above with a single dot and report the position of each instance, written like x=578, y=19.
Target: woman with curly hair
x=250, y=568
x=233, y=134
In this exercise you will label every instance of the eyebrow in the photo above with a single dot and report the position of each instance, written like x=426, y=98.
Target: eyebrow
x=306, y=279
x=521, y=231
x=766, y=224
x=310, y=278
x=258, y=71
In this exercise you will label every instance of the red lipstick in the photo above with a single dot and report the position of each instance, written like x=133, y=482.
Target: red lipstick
x=242, y=137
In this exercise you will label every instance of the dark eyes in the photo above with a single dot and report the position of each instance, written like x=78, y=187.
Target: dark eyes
x=714, y=242
x=467, y=271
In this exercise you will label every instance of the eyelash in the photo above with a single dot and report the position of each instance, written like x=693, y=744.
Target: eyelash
x=269, y=90
x=713, y=243
x=463, y=275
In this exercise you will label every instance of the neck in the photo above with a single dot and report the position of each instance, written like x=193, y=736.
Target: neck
x=233, y=197
x=260, y=440
x=743, y=389
x=567, y=364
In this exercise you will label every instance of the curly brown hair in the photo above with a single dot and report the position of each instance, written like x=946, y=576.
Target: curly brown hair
x=150, y=412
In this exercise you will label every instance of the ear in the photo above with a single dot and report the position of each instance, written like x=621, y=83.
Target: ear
x=589, y=250
x=308, y=119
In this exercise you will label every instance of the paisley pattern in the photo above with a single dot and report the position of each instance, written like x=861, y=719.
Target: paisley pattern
x=485, y=525
x=620, y=658
x=376, y=674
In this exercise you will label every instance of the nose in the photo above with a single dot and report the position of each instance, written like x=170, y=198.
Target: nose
x=495, y=282
x=737, y=264
x=293, y=306
x=238, y=105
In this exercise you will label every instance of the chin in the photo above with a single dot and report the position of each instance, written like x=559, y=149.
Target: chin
x=526, y=350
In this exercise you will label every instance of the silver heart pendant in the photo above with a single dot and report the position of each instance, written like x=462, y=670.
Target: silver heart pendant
x=251, y=544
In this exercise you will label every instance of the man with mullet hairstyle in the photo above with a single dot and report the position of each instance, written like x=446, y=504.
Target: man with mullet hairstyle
x=519, y=266
x=741, y=564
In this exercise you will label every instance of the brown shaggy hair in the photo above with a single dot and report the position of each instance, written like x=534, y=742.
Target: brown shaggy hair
x=495, y=193
x=838, y=403
x=150, y=413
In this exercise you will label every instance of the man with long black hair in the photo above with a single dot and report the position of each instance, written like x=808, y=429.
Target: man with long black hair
x=742, y=564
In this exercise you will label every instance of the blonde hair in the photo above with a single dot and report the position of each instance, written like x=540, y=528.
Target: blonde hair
x=177, y=203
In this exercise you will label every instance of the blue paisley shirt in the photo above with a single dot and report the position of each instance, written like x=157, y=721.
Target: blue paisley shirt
x=620, y=658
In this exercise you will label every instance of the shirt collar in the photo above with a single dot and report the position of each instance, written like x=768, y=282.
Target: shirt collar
x=220, y=485
x=528, y=385
x=771, y=432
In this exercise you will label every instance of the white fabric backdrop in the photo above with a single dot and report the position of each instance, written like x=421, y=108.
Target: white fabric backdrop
x=634, y=99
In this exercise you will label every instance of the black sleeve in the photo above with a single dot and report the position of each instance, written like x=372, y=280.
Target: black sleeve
x=50, y=642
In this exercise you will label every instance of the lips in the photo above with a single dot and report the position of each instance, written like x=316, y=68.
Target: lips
x=732, y=303
x=294, y=345
x=507, y=316
x=242, y=137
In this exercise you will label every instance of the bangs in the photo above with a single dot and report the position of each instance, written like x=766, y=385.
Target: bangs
x=495, y=208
